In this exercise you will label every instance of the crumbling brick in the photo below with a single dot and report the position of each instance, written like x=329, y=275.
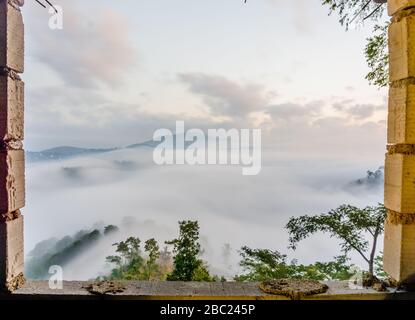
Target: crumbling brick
x=402, y=148
x=400, y=218
x=12, y=180
x=11, y=254
x=11, y=37
x=11, y=108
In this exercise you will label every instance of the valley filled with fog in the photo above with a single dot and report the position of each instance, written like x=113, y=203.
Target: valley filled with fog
x=125, y=188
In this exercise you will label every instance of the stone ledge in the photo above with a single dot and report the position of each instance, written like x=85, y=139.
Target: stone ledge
x=143, y=290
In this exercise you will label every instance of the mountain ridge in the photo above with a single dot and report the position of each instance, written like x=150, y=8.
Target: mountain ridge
x=66, y=152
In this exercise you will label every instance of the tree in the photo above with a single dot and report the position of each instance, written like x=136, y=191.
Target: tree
x=59, y=252
x=81, y=243
x=355, y=10
x=349, y=224
x=186, y=263
x=339, y=269
x=110, y=229
x=264, y=264
x=129, y=262
x=152, y=249
x=379, y=271
x=376, y=50
x=377, y=56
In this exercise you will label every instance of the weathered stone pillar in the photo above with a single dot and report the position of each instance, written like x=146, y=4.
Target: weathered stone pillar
x=12, y=183
x=399, y=246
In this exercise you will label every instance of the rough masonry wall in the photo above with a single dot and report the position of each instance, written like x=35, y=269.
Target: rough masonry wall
x=399, y=245
x=12, y=163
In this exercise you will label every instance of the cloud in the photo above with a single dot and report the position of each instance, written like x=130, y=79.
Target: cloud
x=224, y=97
x=77, y=117
x=358, y=111
x=87, y=118
x=290, y=112
x=90, y=50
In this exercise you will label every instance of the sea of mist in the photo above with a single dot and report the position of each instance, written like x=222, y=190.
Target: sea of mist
x=125, y=188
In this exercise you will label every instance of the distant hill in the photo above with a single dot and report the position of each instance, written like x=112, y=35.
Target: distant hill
x=60, y=153
x=62, y=251
x=373, y=180
x=67, y=152
x=150, y=144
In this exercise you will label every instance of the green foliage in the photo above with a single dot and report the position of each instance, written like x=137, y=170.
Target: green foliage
x=75, y=248
x=376, y=50
x=379, y=272
x=58, y=252
x=338, y=269
x=187, y=265
x=348, y=224
x=354, y=10
x=201, y=273
x=131, y=264
x=377, y=56
x=129, y=249
x=263, y=264
x=129, y=261
x=152, y=249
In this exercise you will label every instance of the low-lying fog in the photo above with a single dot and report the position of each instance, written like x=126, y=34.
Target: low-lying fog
x=66, y=196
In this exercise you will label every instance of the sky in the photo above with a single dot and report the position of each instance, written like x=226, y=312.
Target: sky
x=120, y=70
